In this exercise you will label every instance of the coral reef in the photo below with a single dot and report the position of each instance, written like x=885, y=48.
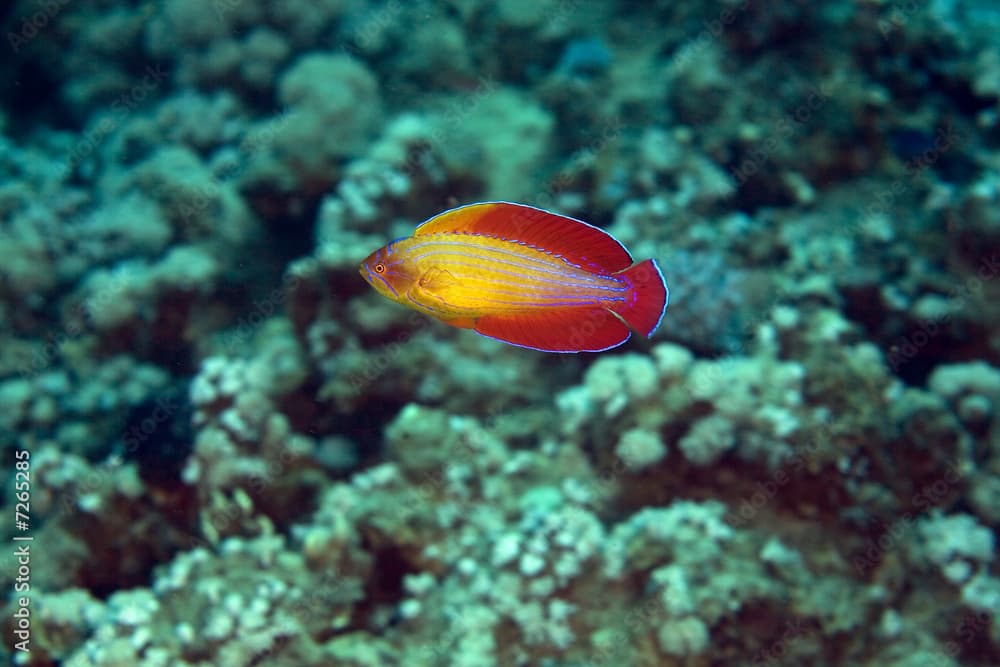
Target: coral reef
x=229, y=451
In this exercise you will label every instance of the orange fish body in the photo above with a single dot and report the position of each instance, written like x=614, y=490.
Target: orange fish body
x=524, y=276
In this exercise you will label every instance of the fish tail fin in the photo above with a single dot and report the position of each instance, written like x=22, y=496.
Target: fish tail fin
x=647, y=297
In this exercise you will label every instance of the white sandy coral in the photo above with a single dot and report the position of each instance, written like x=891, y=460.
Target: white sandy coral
x=973, y=388
x=982, y=593
x=126, y=227
x=503, y=132
x=614, y=381
x=197, y=204
x=759, y=397
x=243, y=41
x=115, y=296
x=695, y=530
x=685, y=636
x=67, y=402
x=334, y=107
x=640, y=448
x=243, y=443
x=696, y=571
x=278, y=604
x=373, y=185
x=708, y=439
x=957, y=544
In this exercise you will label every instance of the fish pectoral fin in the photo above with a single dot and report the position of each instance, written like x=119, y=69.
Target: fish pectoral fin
x=428, y=291
x=434, y=304
x=436, y=279
x=428, y=297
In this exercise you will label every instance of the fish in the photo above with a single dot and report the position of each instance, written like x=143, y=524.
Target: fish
x=524, y=276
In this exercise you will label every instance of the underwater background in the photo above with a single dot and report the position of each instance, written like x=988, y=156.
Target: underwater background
x=223, y=448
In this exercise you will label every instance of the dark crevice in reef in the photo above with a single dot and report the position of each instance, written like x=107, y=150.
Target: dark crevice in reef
x=384, y=586
x=914, y=348
x=762, y=633
x=158, y=436
x=366, y=424
x=971, y=633
x=289, y=218
x=134, y=557
x=28, y=88
x=363, y=424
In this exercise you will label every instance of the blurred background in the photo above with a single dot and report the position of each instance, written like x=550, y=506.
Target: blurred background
x=234, y=452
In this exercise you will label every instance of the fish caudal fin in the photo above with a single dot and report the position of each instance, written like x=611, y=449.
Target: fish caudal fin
x=647, y=297
x=579, y=329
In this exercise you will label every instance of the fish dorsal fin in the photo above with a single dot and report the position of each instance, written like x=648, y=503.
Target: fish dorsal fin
x=577, y=242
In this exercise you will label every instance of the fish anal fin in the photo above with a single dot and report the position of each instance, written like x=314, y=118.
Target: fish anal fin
x=577, y=242
x=462, y=322
x=577, y=329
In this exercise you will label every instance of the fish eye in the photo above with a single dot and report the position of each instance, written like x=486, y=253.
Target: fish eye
x=379, y=268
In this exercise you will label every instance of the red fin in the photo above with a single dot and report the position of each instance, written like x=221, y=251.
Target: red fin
x=575, y=241
x=647, y=300
x=577, y=329
x=462, y=322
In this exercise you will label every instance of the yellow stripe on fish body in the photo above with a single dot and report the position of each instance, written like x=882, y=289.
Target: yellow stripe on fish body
x=465, y=276
x=524, y=276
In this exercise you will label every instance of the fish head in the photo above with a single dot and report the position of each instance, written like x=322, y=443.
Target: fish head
x=389, y=274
